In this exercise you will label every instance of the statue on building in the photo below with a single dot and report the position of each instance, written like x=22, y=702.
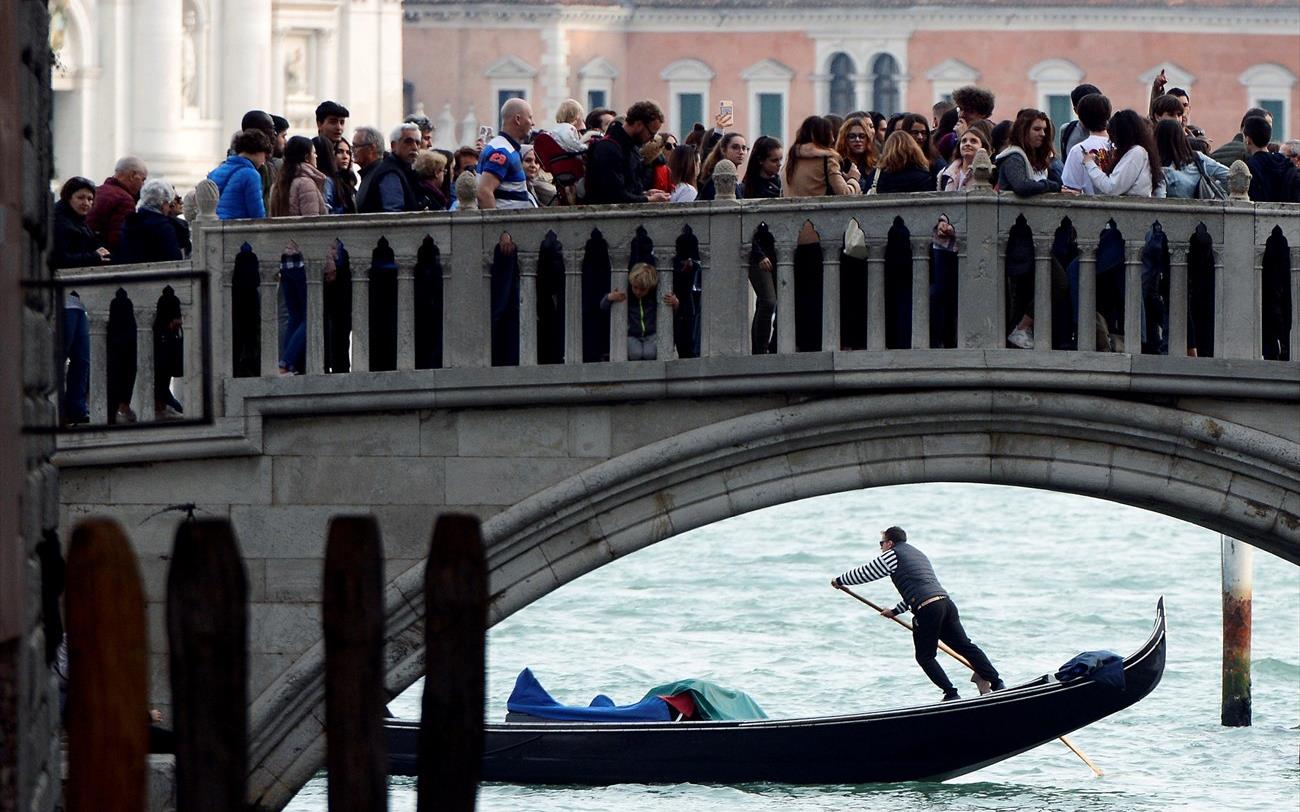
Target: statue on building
x=190, y=60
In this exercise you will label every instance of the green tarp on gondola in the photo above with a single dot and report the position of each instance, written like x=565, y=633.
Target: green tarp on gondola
x=712, y=701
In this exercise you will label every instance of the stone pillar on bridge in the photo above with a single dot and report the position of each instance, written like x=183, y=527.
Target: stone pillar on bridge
x=981, y=278
x=1239, y=302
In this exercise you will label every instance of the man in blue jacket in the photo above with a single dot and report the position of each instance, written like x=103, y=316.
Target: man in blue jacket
x=935, y=615
x=238, y=178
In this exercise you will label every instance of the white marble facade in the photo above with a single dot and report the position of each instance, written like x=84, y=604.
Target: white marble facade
x=169, y=80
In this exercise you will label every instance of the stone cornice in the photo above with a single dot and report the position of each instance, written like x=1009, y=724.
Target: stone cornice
x=837, y=21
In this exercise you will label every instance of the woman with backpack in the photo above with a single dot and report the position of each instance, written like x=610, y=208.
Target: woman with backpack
x=1188, y=174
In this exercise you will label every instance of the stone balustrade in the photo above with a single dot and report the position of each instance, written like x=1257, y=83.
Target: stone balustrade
x=725, y=229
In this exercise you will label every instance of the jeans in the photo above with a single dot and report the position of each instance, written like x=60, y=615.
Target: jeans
x=761, y=335
x=293, y=284
x=642, y=349
x=76, y=348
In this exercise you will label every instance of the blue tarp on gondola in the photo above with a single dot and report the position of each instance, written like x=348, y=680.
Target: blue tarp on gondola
x=531, y=698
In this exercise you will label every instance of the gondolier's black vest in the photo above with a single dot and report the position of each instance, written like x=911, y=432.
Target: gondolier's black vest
x=914, y=577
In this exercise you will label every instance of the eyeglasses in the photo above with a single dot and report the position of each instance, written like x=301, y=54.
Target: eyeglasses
x=856, y=136
x=921, y=132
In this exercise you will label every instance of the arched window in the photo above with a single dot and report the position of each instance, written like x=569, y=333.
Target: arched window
x=843, y=99
x=884, y=84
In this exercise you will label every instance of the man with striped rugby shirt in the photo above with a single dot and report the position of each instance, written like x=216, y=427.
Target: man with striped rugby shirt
x=935, y=615
x=502, y=183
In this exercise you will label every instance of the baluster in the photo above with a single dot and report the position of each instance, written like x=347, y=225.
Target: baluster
x=832, y=246
x=1237, y=320
x=406, y=312
x=875, y=296
x=1133, y=297
x=528, y=308
x=618, y=310
x=981, y=281
x=467, y=308
x=1178, y=301
x=572, y=306
x=269, y=300
x=664, y=329
x=144, y=369
x=1088, y=297
x=1295, y=304
x=724, y=297
x=1219, y=325
x=314, y=355
x=1042, y=294
x=361, y=316
x=192, y=383
x=921, y=293
x=224, y=314
x=785, y=296
x=97, y=404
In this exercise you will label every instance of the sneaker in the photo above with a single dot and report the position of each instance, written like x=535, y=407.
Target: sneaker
x=1024, y=339
x=124, y=416
x=949, y=696
x=998, y=686
x=77, y=420
x=168, y=413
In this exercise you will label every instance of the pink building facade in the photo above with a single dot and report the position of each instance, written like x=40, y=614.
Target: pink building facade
x=782, y=60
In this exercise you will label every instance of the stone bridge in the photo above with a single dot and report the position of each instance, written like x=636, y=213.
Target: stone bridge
x=572, y=465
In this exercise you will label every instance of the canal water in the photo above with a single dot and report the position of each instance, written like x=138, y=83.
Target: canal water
x=1038, y=576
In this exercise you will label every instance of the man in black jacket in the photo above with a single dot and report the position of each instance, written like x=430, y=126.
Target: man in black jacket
x=389, y=184
x=935, y=615
x=614, y=162
x=1273, y=178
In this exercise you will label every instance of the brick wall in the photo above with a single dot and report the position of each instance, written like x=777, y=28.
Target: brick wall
x=29, y=735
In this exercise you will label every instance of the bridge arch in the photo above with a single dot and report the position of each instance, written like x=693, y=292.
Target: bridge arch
x=1218, y=474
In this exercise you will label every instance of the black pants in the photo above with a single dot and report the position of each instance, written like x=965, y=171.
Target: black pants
x=940, y=621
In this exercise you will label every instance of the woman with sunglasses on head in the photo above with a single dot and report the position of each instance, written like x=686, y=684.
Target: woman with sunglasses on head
x=857, y=144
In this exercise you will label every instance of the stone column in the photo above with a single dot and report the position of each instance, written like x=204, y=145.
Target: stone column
x=1237, y=314
x=664, y=316
x=1087, y=297
x=1042, y=294
x=1178, y=300
x=528, y=308
x=467, y=325
x=831, y=247
x=618, y=310
x=269, y=300
x=244, y=40
x=360, y=318
x=157, y=29
x=144, y=368
x=314, y=356
x=555, y=72
x=572, y=306
x=1133, y=297
x=785, y=296
x=921, y=293
x=1295, y=303
x=875, y=296
x=724, y=294
x=97, y=404
x=406, y=313
x=981, y=314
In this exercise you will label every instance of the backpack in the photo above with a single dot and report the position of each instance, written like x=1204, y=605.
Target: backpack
x=1066, y=132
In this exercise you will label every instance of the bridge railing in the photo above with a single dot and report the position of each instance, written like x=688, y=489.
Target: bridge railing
x=421, y=294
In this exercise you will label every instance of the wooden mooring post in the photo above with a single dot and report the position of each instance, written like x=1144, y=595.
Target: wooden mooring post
x=207, y=630
x=107, y=716
x=451, y=724
x=207, y=633
x=1238, y=559
x=353, y=614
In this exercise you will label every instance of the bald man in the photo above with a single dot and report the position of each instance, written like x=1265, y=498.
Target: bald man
x=501, y=180
x=115, y=199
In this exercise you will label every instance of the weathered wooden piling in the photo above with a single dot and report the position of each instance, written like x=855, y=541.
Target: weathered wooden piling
x=1238, y=558
x=108, y=687
x=353, y=615
x=207, y=632
x=451, y=727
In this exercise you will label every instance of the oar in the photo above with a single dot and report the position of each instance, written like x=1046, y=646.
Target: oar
x=947, y=650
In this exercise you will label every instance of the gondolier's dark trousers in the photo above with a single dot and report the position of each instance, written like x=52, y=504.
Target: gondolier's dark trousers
x=940, y=621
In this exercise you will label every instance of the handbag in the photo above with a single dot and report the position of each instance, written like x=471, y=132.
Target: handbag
x=1207, y=188
x=875, y=181
x=855, y=241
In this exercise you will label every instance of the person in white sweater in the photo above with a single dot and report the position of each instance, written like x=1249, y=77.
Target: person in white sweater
x=1135, y=168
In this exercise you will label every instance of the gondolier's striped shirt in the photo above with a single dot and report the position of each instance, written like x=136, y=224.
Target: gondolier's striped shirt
x=882, y=566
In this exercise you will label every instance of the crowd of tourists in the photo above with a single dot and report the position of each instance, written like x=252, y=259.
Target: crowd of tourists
x=601, y=158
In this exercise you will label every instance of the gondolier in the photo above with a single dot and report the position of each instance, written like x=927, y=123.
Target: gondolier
x=935, y=615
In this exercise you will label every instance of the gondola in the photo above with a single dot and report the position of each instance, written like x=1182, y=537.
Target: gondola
x=931, y=742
